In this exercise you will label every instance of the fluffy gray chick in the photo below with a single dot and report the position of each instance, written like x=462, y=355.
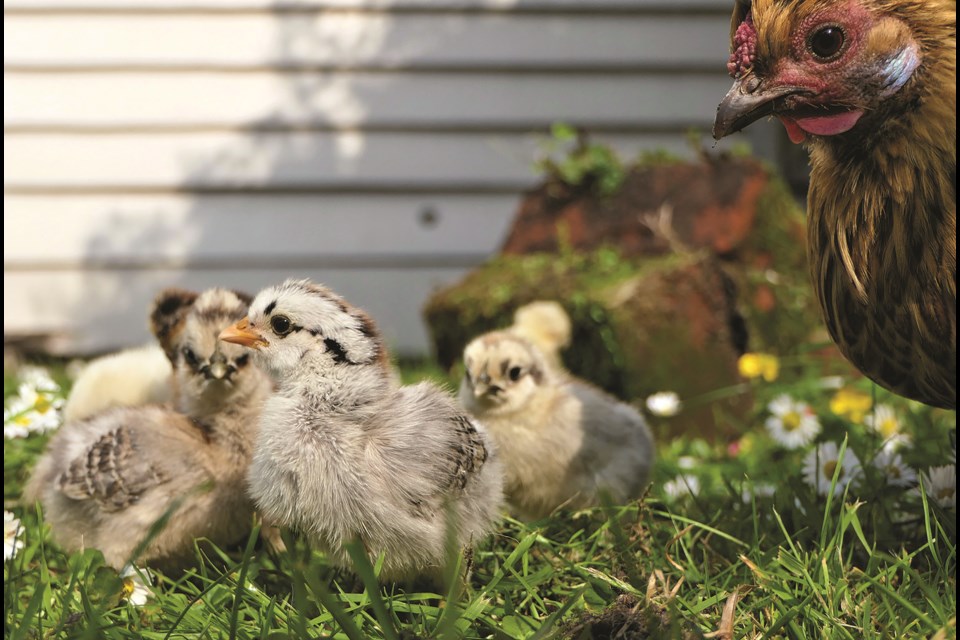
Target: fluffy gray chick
x=562, y=441
x=345, y=453
x=105, y=480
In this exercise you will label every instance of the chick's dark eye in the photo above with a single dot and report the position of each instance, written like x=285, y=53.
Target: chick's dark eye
x=242, y=360
x=280, y=325
x=188, y=355
x=515, y=373
x=826, y=42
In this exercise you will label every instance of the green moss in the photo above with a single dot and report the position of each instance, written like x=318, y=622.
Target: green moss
x=652, y=323
x=569, y=157
x=586, y=284
x=656, y=158
x=773, y=262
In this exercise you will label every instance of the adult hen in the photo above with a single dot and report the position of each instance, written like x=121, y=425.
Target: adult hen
x=870, y=87
x=347, y=454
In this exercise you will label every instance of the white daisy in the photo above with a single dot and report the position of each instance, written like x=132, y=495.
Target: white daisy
x=832, y=382
x=756, y=491
x=14, y=428
x=682, y=485
x=664, y=404
x=897, y=472
x=686, y=462
x=883, y=421
x=941, y=485
x=821, y=463
x=136, y=585
x=11, y=535
x=793, y=423
x=37, y=378
x=897, y=442
x=37, y=411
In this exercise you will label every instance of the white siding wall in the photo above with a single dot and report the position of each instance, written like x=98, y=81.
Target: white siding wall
x=379, y=147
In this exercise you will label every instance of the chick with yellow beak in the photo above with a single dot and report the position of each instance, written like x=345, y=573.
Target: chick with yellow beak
x=241, y=333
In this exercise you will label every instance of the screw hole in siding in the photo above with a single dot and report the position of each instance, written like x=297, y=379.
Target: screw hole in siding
x=429, y=217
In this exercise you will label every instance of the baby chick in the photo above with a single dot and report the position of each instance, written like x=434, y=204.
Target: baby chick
x=562, y=441
x=128, y=378
x=345, y=453
x=546, y=325
x=104, y=481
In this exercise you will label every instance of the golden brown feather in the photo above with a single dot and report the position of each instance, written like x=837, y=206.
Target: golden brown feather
x=870, y=87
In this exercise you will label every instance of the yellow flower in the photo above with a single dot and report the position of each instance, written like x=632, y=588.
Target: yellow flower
x=850, y=404
x=747, y=445
x=757, y=365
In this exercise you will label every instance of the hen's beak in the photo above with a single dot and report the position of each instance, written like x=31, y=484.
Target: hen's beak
x=241, y=333
x=749, y=99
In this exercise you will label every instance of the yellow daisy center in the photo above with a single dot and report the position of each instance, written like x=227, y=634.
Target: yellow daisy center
x=889, y=427
x=791, y=421
x=945, y=493
x=23, y=421
x=829, y=468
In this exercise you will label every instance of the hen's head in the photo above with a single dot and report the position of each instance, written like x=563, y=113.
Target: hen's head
x=299, y=321
x=502, y=373
x=206, y=372
x=825, y=67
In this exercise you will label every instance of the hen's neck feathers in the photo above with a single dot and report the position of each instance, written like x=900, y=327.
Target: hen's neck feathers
x=894, y=177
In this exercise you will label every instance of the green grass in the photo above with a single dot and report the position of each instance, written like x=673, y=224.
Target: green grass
x=870, y=562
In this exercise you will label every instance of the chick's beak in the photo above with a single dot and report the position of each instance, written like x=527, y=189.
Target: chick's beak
x=218, y=368
x=241, y=333
x=749, y=99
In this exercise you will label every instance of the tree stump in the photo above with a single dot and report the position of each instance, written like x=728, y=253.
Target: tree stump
x=667, y=281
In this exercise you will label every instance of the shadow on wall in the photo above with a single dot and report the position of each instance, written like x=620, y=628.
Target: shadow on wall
x=283, y=195
x=356, y=148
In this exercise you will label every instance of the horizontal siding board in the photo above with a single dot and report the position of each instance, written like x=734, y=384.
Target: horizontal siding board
x=379, y=146
x=296, y=160
x=332, y=40
x=165, y=231
x=88, y=312
x=344, y=99
x=369, y=5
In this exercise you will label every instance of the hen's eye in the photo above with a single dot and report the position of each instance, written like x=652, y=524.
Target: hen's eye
x=188, y=355
x=280, y=324
x=242, y=360
x=826, y=42
x=515, y=373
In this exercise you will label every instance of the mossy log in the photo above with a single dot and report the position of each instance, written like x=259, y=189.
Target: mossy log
x=638, y=326
x=666, y=281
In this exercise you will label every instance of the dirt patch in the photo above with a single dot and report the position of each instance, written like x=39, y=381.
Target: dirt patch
x=627, y=619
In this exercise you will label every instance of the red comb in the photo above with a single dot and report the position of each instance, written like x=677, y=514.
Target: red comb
x=744, y=48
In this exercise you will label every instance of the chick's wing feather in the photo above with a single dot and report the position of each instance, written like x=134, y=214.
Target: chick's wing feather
x=468, y=453
x=434, y=444
x=112, y=472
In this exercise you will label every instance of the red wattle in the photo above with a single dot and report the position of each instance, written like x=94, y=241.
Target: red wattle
x=796, y=134
x=830, y=125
